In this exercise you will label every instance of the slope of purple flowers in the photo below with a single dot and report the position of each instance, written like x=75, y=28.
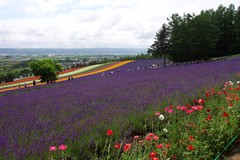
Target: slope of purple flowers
x=33, y=119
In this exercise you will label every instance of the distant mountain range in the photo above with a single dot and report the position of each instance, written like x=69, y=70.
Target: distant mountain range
x=71, y=51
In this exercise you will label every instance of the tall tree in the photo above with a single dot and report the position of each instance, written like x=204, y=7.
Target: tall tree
x=236, y=47
x=205, y=35
x=47, y=69
x=161, y=44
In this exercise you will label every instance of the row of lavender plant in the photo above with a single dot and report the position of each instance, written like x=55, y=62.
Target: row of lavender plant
x=79, y=111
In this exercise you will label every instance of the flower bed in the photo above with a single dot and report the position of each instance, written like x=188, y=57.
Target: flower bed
x=77, y=113
x=199, y=130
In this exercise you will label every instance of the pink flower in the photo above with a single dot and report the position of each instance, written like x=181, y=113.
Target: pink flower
x=201, y=101
x=136, y=137
x=179, y=107
x=194, y=107
x=53, y=148
x=62, y=147
x=148, y=138
x=183, y=108
x=189, y=111
x=157, y=113
x=155, y=138
x=141, y=141
x=151, y=134
x=199, y=108
x=169, y=109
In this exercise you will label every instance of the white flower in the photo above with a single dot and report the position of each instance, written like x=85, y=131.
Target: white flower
x=161, y=117
x=238, y=82
x=165, y=130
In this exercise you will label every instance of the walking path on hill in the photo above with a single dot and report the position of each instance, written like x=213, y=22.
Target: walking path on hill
x=75, y=73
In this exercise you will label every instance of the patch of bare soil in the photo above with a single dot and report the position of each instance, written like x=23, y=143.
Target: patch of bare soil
x=233, y=152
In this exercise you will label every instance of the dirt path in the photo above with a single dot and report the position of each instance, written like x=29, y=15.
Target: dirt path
x=233, y=152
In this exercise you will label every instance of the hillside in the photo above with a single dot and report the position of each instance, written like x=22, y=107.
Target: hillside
x=80, y=111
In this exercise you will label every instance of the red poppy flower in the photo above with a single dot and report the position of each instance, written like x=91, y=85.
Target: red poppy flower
x=190, y=147
x=209, y=118
x=159, y=146
x=127, y=147
x=109, y=132
x=207, y=95
x=168, y=145
x=155, y=158
x=152, y=154
x=225, y=114
x=174, y=157
x=191, y=138
x=117, y=145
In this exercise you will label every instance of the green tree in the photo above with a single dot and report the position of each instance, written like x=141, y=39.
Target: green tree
x=160, y=46
x=236, y=46
x=47, y=69
x=205, y=35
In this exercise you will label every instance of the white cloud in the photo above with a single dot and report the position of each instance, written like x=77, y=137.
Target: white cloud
x=4, y=3
x=92, y=23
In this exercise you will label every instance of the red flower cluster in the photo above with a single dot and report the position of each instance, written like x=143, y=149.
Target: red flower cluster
x=151, y=136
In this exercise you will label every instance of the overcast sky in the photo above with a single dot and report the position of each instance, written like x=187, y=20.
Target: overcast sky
x=90, y=23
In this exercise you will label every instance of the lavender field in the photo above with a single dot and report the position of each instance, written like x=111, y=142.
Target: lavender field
x=78, y=111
